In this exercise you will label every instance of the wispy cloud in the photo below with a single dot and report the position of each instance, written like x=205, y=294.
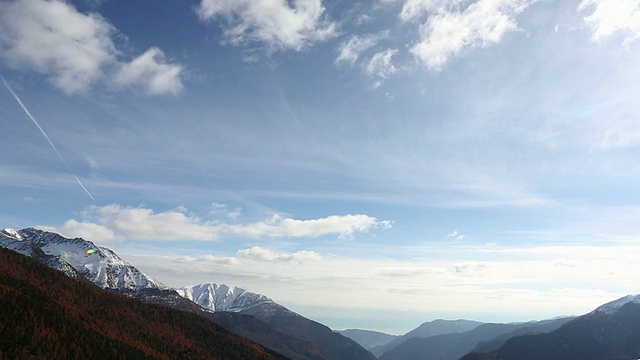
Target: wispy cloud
x=280, y=25
x=114, y=222
x=350, y=51
x=609, y=17
x=381, y=65
x=261, y=254
x=76, y=50
x=453, y=27
x=33, y=119
x=456, y=235
x=220, y=208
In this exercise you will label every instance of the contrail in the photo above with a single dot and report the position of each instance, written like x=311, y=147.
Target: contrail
x=15, y=96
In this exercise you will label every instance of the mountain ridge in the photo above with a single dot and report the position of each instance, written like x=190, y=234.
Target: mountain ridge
x=428, y=329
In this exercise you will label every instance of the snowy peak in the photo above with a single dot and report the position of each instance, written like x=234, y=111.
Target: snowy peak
x=98, y=265
x=12, y=234
x=612, y=307
x=221, y=297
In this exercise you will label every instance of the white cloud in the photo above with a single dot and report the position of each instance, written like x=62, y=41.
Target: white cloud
x=613, y=16
x=114, y=222
x=75, y=50
x=452, y=27
x=280, y=24
x=381, y=64
x=345, y=226
x=86, y=230
x=143, y=223
x=152, y=72
x=260, y=254
x=52, y=38
x=350, y=50
x=457, y=235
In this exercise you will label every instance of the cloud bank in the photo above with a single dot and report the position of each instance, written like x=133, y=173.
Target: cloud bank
x=116, y=223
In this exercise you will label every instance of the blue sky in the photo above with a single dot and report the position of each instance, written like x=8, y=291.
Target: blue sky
x=371, y=164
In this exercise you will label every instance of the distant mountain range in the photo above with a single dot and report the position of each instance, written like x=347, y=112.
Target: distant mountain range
x=455, y=345
x=428, y=329
x=250, y=315
x=367, y=338
x=611, y=332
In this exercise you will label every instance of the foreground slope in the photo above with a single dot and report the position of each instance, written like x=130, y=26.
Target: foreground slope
x=334, y=345
x=47, y=315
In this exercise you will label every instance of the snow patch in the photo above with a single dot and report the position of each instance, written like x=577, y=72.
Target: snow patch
x=612, y=307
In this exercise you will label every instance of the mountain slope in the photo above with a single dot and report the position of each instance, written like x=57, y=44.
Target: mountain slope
x=47, y=315
x=539, y=327
x=428, y=329
x=366, y=338
x=613, y=306
x=332, y=344
x=600, y=335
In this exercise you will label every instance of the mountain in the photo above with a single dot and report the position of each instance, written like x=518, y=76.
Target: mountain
x=47, y=315
x=99, y=265
x=454, y=346
x=222, y=297
x=538, y=327
x=81, y=259
x=366, y=338
x=215, y=296
x=612, y=331
x=428, y=329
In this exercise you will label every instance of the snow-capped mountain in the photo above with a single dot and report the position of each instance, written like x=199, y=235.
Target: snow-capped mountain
x=99, y=265
x=226, y=298
x=612, y=307
x=12, y=240
x=222, y=297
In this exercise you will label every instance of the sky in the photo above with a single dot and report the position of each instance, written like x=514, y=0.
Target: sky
x=369, y=164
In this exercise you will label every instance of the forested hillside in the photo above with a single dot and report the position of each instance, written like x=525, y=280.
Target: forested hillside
x=47, y=315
